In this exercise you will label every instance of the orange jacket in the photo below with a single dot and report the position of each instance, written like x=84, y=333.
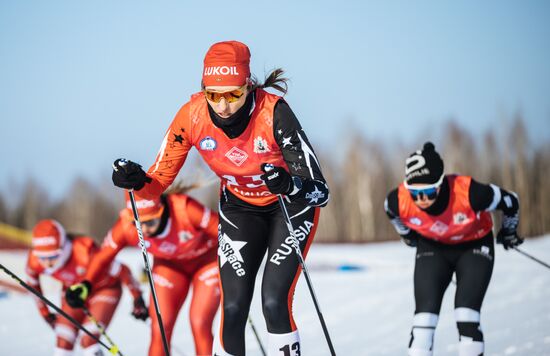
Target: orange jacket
x=191, y=231
x=236, y=161
x=71, y=267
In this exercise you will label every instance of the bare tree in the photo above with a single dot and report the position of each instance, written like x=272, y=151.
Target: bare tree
x=358, y=184
x=32, y=206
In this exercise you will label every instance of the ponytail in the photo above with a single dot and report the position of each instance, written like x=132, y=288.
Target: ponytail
x=274, y=80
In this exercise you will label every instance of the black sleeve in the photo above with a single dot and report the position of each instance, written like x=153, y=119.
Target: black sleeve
x=299, y=157
x=391, y=206
x=489, y=197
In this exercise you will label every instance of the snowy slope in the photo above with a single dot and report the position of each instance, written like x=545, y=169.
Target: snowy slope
x=368, y=312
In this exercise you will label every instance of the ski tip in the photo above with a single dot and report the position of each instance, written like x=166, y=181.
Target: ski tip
x=114, y=350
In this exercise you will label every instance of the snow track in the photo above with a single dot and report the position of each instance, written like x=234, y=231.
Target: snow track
x=368, y=312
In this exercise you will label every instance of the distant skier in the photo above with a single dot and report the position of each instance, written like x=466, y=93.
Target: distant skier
x=66, y=257
x=182, y=235
x=446, y=217
x=237, y=127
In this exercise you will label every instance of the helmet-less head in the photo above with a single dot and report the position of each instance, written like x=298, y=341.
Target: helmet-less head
x=226, y=77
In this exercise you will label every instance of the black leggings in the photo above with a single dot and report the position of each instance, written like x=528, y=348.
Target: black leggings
x=246, y=232
x=435, y=264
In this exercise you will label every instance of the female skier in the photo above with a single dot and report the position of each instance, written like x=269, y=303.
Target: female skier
x=447, y=218
x=238, y=127
x=181, y=234
x=66, y=257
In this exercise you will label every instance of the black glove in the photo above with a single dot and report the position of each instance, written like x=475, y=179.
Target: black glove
x=508, y=238
x=77, y=294
x=277, y=179
x=129, y=175
x=50, y=318
x=140, y=309
x=409, y=240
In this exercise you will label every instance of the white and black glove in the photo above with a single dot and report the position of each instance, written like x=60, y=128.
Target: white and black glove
x=277, y=179
x=129, y=175
x=508, y=238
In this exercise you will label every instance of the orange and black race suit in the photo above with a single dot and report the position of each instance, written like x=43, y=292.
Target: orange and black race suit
x=453, y=236
x=273, y=135
x=69, y=269
x=184, y=256
x=264, y=130
x=459, y=214
x=458, y=223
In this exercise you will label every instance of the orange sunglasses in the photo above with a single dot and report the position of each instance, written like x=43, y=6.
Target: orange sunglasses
x=229, y=96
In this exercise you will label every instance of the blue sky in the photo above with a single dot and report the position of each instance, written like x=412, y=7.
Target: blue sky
x=85, y=82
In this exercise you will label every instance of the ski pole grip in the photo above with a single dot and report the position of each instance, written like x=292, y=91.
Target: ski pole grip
x=267, y=167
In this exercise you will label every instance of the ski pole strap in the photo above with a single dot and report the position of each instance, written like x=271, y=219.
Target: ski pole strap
x=114, y=348
x=53, y=306
x=531, y=257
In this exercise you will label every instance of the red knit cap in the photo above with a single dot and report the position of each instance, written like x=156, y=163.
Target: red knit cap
x=148, y=209
x=48, y=238
x=226, y=64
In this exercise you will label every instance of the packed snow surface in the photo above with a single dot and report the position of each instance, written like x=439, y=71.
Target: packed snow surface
x=366, y=296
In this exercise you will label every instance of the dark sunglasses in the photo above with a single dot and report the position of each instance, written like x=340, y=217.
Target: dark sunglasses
x=430, y=193
x=150, y=223
x=48, y=258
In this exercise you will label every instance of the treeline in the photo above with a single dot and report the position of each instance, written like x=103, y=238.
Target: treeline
x=362, y=177
x=359, y=179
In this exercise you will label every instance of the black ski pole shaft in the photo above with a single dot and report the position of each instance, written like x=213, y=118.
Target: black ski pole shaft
x=306, y=274
x=531, y=257
x=55, y=307
x=148, y=269
x=257, y=336
x=101, y=329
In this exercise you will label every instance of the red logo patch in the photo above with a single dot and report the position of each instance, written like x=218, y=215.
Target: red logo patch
x=237, y=156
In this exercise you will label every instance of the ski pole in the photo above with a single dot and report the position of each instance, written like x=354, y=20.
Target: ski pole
x=531, y=257
x=55, y=307
x=114, y=348
x=306, y=274
x=148, y=269
x=295, y=243
x=257, y=336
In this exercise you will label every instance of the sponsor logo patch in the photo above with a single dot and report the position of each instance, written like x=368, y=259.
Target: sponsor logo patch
x=460, y=218
x=167, y=247
x=185, y=236
x=260, y=145
x=44, y=241
x=439, y=228
x=484, y=251
x=221, y=70
x=315, y=195
x=237, y=156
x=142, y=204
x=229, y=252
x=208, y=144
